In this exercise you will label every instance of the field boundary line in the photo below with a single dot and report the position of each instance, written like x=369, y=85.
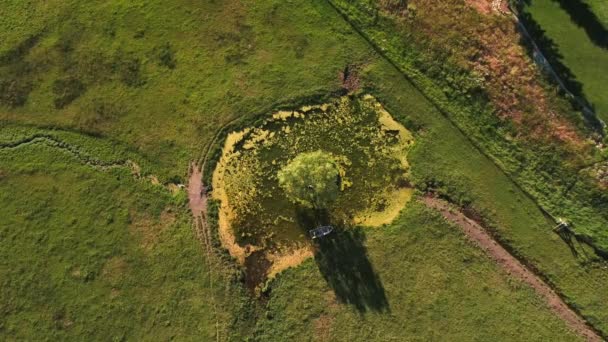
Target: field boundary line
x=443, y=112
x=197, y=199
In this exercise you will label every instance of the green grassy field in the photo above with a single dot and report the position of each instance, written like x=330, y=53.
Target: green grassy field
x=449, y=163
x=549, y=171
x=600, y=8
x=444, y=158
x=90, y=251
x=124, y=71
x=116, y=258
x=574, y=34
x=411, y=280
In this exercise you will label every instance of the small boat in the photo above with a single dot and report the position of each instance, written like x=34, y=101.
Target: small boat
x=320, y=231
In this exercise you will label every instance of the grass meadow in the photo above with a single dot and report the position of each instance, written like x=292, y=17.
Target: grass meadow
x=93, y=254
x=90, y=251
x=600, y=8
x=579, y=35
x=163, y=76
x=410, y=280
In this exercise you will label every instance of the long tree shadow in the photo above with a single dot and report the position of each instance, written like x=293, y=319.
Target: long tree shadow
x=342, y=260
x=549, y=49
x=581, y=14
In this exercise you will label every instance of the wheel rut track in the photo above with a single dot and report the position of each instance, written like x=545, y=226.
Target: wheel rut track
x=197, y=199
x=477, y=234
x=196, y=193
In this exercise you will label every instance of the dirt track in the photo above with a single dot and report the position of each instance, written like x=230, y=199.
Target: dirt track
x=197, y=198
x=512, y=266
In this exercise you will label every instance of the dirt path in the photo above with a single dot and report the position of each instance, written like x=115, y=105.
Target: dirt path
x=514, y=267
x=489, y=6
x=197, y=196
x=197, y=200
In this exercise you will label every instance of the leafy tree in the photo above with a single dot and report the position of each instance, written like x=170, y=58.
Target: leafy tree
x=311, y=179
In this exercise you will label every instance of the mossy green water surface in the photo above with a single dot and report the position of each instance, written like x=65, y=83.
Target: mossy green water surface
x=368, y=146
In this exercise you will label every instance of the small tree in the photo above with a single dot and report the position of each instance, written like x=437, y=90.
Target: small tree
x=311, y=179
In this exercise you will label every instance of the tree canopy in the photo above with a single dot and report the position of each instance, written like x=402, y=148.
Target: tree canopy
x=311, y=179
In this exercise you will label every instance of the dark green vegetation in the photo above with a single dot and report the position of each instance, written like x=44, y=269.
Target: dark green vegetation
x=160, y=78
x=574, y=34
x=311, y=179
x=553, y=172
x=369, y=157
x=444, y=161
x=600, y=9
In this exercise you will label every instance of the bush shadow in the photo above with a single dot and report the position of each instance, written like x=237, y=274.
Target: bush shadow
x=578, y=245
x=344, y=263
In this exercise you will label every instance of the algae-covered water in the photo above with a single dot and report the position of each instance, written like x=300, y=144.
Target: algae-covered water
x=369, y=146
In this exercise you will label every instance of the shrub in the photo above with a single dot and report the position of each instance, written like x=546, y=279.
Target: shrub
x=14, y=92
x=129, y=70
x=166, y=56
x=311, y=179
x=67, y=90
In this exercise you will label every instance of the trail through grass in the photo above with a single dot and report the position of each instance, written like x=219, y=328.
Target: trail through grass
x=396, y=283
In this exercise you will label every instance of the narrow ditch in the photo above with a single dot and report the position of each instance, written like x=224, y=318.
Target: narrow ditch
x=59, y=144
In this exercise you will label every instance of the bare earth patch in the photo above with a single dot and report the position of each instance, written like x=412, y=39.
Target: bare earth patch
x=197, y=198
x=149, y=230
x=512, y=266
x=114, y=269
x=323, y=326
x=489, y=6
x=500, y=65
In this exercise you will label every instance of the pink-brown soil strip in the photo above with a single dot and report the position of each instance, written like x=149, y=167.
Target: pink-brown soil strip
x=512, y=266
x=197, y=197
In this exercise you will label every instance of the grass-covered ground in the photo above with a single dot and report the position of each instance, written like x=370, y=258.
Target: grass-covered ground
x=600, y=8
x=528, y=146
x=443, y=157
x=92, y=253
x=159, y=79
x=578, y=32
x=163, y=76
x=412, y=281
